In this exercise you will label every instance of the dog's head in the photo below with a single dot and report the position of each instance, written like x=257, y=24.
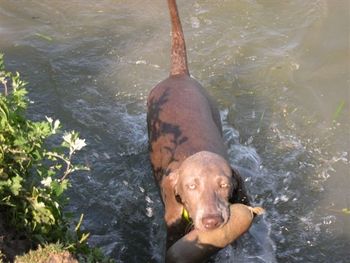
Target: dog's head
x=204, y=184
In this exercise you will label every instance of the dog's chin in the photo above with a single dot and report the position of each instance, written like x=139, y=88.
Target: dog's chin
x=200, y=227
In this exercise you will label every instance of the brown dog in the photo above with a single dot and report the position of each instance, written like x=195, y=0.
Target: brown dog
x=188, y=155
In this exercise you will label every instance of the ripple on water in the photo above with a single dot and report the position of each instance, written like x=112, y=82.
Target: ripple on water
x=278, y=61
x=257, y=246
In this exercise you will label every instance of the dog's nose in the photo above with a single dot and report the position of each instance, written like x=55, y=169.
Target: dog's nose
x=212, y=221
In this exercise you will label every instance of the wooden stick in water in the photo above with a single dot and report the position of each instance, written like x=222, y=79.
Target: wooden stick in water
x=198, y=246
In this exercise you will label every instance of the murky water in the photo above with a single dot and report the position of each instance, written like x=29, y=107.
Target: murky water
x=280, y=72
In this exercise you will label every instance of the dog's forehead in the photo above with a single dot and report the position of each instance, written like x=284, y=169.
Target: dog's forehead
x=206, y=162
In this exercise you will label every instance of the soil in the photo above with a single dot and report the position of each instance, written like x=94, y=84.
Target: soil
x=12, y=243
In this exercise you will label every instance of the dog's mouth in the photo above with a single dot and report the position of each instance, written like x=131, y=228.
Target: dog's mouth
x=211, y=221
x=206, y=220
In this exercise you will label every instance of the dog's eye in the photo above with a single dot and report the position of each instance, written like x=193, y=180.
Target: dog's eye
x=191, y=186
x=224, y=185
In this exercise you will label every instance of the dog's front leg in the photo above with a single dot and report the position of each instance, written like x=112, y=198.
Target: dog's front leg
x=173, y=211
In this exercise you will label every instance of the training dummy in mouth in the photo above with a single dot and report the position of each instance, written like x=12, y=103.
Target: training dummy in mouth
x=198, y=246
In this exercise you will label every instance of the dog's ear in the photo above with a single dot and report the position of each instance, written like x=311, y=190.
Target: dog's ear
x=173, y=208
x=239, y=193
x=174, y=183
x=173, y=179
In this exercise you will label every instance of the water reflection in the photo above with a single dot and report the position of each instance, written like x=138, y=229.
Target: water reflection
x=280, y=72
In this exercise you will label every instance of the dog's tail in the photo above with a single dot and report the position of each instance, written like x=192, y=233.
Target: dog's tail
x=178, y=46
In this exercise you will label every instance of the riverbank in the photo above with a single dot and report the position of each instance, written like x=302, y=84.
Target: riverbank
x=15, y=247
x=34, y=175
x=12, y=242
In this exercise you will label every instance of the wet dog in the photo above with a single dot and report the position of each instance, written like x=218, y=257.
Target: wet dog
x=187, y=152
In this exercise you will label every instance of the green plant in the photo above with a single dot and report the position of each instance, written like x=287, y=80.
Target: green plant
x=34, y=174
x=32, y=177
x=50, y=253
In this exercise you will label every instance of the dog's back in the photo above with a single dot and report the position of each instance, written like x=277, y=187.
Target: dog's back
x=181, y=122
x=182, y=119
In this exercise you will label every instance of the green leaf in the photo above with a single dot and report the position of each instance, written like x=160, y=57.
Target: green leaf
x=58, y=187
x=339, y=110
x=45, y=37
x=346, y=211
x=16, y=185
x=84, y=238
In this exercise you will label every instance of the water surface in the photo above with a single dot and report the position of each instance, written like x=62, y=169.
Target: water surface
x=279, y=71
